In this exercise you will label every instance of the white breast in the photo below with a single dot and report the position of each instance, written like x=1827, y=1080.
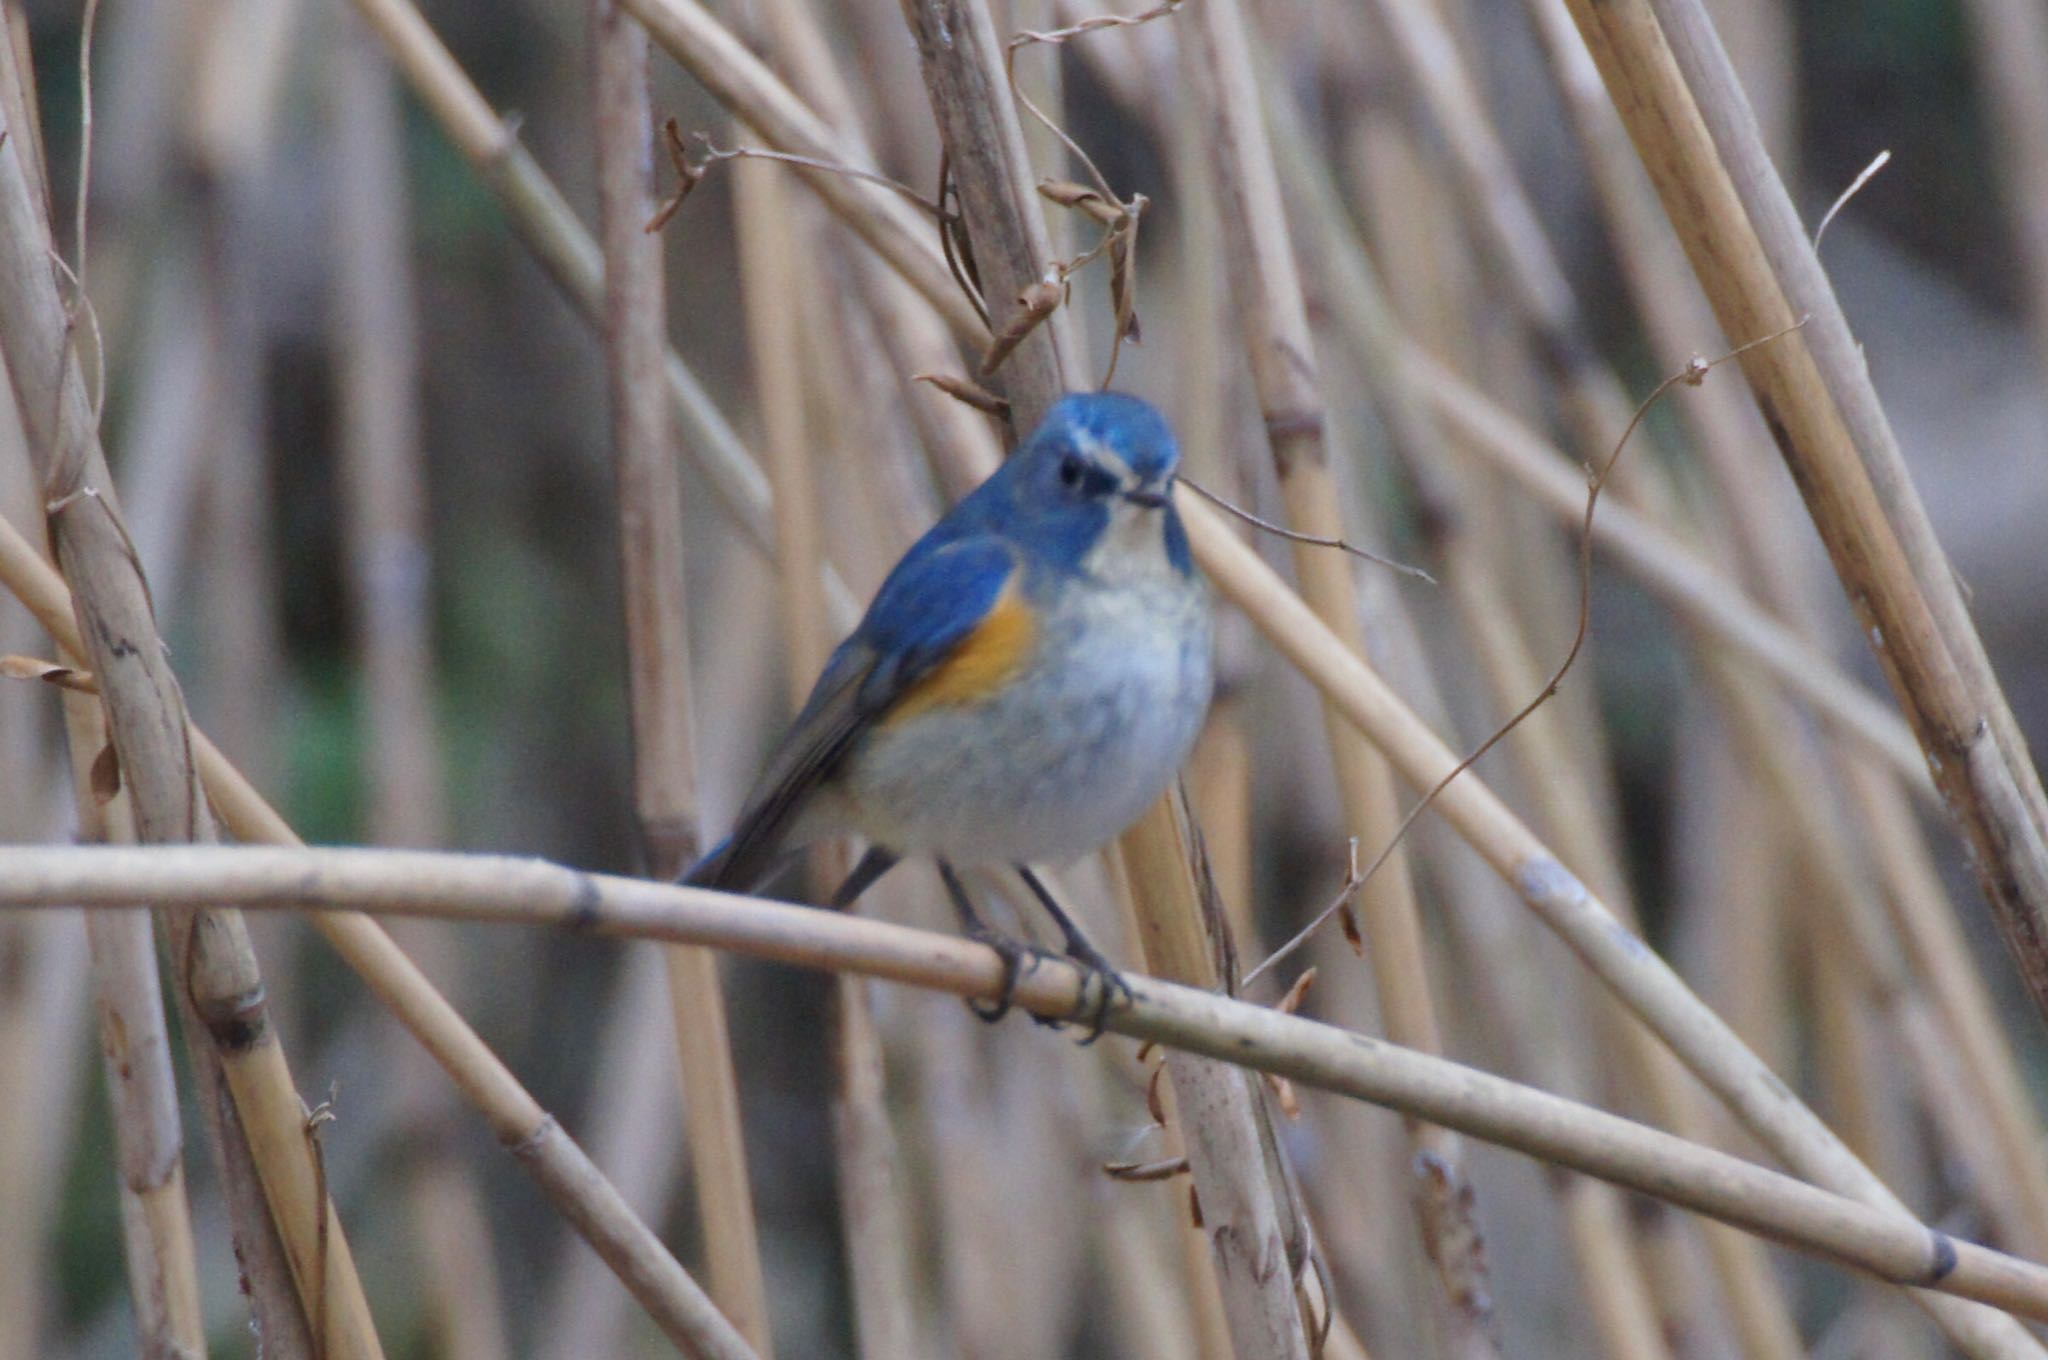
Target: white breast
x=1075, y=748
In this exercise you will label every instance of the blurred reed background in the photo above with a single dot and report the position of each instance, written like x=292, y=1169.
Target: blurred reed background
x=429, y=581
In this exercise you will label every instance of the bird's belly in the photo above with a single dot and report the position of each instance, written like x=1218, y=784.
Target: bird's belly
x=1058, y=763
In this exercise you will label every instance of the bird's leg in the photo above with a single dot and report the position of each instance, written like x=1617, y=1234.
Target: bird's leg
x=872, y=866
x=976, y=928
x=1093, y=961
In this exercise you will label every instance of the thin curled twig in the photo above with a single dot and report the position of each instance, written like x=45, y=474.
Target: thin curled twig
x=690, y=174
x=1692, y=375
x=1119, y=217
x=1296, y=536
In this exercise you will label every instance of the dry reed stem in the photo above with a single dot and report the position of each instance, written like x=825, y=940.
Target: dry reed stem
x=142, y=1089
x=650, y=507
x=1505, y=224
x=217, y=971
x=581, y=1194
x=1676, y=314
x=780, y=286
x=1217, y=62
x=962, y=60
x=544, y=221
x=1218, y=1124
x=1623, y=1318
x=1869, y=1238
x=1221, y=1131
x=1699, y=593
x=384, y=523
x=1694, y=130
x=739, y=80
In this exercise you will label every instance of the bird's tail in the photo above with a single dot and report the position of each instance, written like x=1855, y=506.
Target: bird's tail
x=735, y=864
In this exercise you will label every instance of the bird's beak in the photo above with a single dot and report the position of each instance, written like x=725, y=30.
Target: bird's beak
x=1151, y=500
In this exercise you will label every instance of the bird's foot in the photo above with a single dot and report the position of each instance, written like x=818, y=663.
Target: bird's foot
x=1101, y=980
x=1015, y=955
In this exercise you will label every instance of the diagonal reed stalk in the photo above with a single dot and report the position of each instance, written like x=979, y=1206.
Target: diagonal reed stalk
x=1694, y=131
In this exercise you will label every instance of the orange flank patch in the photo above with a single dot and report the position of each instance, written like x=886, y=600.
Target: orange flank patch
x=982, y=661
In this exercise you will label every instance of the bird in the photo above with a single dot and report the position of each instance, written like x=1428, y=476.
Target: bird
x=1028, y=680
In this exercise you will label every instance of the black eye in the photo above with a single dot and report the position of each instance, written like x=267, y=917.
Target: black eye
x=1071, y=470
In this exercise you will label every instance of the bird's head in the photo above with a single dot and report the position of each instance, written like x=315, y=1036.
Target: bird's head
x=1099, y=471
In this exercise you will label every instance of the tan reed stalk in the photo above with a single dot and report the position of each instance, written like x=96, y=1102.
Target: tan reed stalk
x=962, y=58
x=2012, y=60
x=650, y=505
x=1217, y=1121
x=1878, y=1240
x=384, y=522
x=1730, y=434
x=1727, y=429
x=1694, y=130
x=592, y=1206
x=544, y=221
x=776, y=242
x=1218, y=67
x=1505, y=224
x=217, y=972
x=637, y=1144
x=142, y=1090
x=916, y=339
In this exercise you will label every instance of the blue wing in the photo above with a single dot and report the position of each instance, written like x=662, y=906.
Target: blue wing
x=932, y=602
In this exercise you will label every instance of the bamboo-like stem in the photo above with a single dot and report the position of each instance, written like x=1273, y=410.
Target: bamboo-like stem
x=1505, y=224
x=163, y=1273
x=1217, y=1121
x=1680, y=576
x=527, y=1130
x=962, y=59
x=1730, y=435
x=650, y=507
x=217, y=971
x=477, y=887
x=1693, y=129
x=1218, y=65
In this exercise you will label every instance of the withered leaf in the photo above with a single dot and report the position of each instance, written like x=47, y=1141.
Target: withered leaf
x=106, y=775
x=967, y=390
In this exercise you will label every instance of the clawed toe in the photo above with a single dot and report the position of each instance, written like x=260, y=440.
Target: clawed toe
x=1013, y=956
x=1099, y=975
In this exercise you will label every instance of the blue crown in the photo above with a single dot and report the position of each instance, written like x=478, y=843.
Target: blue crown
x=1128, y=427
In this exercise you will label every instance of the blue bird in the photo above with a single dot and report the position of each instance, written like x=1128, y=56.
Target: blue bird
x=1027, y=681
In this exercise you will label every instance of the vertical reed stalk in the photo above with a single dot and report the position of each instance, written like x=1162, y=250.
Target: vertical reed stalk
x=1265, y=279
x=384, y=523
x=651, y=556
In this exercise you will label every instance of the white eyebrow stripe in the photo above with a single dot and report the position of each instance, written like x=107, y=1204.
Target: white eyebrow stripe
x=1102, y=453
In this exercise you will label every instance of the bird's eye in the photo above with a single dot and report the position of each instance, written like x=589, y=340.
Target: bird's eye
x=1071, y=470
